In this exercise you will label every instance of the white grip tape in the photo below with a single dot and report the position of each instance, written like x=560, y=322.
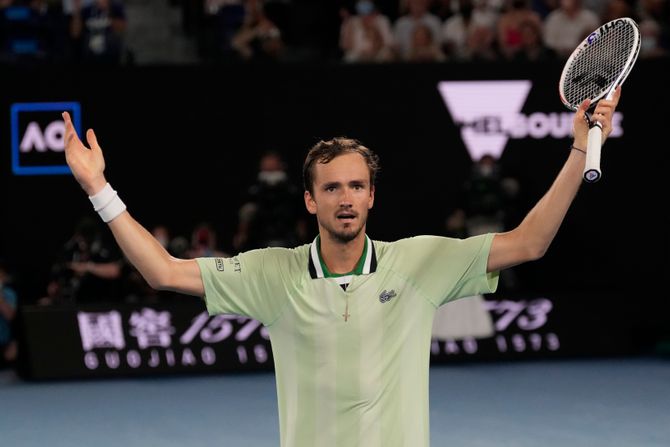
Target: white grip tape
x=592, y=171
x=107, y=203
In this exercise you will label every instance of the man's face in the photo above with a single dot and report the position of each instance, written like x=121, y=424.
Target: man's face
x=342, y=196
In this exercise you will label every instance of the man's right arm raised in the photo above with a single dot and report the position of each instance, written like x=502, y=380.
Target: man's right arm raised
x=160, y=269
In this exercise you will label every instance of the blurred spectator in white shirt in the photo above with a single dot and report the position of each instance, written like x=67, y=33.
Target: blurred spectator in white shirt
x=366, y=35
x=568, y=25
x=417, y=13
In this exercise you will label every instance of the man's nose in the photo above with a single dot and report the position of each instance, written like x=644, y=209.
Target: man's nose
x=345, y=198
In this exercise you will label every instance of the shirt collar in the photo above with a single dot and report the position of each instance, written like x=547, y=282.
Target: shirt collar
x=366, y=264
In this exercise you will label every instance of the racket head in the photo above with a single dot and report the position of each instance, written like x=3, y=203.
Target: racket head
x=600, y=63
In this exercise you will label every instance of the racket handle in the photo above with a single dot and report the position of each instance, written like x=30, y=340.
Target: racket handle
x=592, y=172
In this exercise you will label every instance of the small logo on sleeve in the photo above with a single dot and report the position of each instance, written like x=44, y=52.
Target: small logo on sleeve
x=219, y=264
x=386, y=296
x=235, y=262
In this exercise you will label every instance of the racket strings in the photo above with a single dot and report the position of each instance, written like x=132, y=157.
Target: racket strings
x=598, y=65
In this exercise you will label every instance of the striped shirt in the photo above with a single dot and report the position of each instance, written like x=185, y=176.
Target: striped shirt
x=351, y=364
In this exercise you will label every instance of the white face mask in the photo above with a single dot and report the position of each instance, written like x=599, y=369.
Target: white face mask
x=272, y=177
x=364, y=8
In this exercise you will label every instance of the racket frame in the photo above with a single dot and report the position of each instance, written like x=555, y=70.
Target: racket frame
x=592, y=171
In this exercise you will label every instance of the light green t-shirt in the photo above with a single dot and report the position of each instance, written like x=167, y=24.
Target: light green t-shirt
x=351, y=365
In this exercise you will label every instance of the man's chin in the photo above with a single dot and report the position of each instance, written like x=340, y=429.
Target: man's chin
x=345, y=236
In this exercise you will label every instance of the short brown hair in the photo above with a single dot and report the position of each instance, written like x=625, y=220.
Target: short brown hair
x=325, y=151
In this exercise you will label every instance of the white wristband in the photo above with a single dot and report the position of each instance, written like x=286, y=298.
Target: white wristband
x=107, y=203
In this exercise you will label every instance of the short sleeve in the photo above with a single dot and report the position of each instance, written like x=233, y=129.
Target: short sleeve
x=446, y=269
x=248, y=284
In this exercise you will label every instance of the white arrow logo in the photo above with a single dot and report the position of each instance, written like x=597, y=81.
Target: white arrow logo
x=484, y=110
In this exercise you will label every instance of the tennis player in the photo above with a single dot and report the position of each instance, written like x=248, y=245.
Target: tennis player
x=349, y=318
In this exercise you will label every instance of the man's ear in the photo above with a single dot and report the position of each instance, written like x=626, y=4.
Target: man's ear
x=310, y=203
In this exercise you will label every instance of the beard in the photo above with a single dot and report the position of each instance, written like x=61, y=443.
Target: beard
x=344, y=235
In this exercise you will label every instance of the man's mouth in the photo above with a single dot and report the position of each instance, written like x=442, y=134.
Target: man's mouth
x=346, y=217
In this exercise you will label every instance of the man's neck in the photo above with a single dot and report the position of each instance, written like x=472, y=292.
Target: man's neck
x=341, y=257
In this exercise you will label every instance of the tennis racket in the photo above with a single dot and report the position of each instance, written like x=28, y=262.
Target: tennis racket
x=598, y=65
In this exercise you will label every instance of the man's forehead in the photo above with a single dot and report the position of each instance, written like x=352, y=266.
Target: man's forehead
x=346, y=167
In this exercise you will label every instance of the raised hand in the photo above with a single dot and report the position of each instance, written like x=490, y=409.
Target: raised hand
x=87, y=165
x=603, y=114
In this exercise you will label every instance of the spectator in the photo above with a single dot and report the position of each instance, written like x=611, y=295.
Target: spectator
x=54, y=293
x=480, y=45
x=418, y=13
x=89, y=269
x=259, y=39
x=97, y=31
x=651, y=34
x=204, y=242
x=162, y=234
x=366, y=36
x=272, y=215
x=444, y=9
x=657, y=12
x=8, y=306
x=568, y=25
x=486, y=198
x=458, y=29
x=424, y=47
x=509, y=35
x=533, y=48
x=487, y=203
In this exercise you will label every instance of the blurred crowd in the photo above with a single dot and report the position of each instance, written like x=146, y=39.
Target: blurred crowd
x=353, y=31
x=63, y=31
x=90, y=268
x=488, y=30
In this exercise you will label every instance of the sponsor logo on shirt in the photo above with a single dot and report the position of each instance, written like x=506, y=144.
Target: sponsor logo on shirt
x=385, y=296
x=219, y=264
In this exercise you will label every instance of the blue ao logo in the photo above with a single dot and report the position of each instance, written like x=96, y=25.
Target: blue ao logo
x=38, y=137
